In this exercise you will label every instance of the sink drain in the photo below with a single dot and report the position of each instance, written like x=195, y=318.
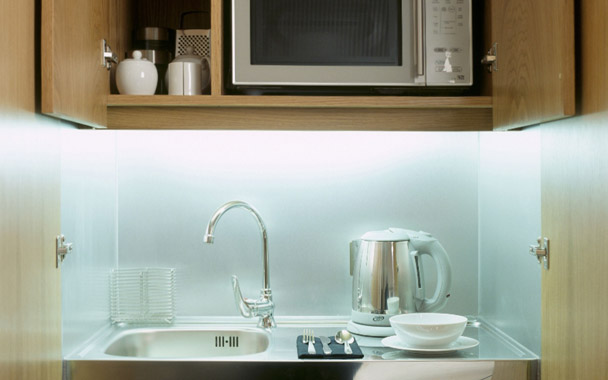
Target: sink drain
x=226, y=341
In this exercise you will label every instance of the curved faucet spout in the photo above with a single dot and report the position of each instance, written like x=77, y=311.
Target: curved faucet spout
x=263, y=307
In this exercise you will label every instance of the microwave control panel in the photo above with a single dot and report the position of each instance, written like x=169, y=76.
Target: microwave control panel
x=449, y=40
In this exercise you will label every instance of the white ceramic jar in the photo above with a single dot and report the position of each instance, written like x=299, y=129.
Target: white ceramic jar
x=183, y=63
x=136, y=76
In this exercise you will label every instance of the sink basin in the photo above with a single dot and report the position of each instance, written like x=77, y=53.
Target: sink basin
x=189, y=343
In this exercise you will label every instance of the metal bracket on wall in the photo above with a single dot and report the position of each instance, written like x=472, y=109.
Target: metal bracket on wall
x=541, y=251
x=61, y=249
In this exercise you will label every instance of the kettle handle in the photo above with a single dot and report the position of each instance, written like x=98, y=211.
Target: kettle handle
x=426, y=244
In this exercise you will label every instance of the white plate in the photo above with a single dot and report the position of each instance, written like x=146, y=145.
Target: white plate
x=461, y=343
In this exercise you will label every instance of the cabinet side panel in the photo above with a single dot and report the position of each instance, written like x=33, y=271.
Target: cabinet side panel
x=217, y=47
x=30, y=315
x=575, y=216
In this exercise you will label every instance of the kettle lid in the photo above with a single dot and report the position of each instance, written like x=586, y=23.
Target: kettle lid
x=391, y=234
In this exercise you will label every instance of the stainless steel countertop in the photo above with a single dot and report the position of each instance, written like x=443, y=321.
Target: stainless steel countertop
x=281, y=357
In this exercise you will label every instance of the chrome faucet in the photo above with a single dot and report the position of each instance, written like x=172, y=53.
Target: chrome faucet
x=263, y=307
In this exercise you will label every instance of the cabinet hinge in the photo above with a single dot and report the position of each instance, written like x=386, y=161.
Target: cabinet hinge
x=107, y=56
x=541, y=251
x=61, y=249
x=491, y=59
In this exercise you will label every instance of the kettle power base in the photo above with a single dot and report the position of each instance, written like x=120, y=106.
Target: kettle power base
x=367, y=330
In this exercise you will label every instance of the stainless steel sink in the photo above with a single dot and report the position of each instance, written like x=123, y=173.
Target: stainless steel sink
x=210, y=349
x=189, y=343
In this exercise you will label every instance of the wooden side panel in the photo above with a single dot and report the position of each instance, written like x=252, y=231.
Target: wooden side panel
x=575, y=216
x=574, y=176
x=535, y=81
x=30, y=285
x=217, y=48
x=75, y=85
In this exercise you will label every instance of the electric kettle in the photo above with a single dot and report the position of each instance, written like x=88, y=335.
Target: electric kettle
x=388, y=278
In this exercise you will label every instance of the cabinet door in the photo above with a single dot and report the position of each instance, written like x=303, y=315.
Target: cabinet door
x=534, y=81
x=75, y=84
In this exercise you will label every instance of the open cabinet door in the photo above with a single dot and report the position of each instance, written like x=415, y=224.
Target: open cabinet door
x=533, y=80
x=75, y=83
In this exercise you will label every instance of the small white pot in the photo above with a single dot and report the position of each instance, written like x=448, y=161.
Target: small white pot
x=185, y=64
x=136, y=76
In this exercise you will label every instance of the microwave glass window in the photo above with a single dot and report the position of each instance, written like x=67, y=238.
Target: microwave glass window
x=326, y=32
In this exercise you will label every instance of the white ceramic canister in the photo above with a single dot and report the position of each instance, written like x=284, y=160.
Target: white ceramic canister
x=201, y=62
x=136, y=76
x=184, y=78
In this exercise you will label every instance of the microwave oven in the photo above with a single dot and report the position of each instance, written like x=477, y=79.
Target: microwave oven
x=383, y=44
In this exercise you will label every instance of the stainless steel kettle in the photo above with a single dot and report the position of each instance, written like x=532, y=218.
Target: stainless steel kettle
x=388, y=277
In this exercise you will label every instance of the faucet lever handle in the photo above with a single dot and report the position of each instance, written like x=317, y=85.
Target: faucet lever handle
x=241, y=302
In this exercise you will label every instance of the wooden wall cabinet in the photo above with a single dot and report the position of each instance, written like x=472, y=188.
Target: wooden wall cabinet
x=534, y=81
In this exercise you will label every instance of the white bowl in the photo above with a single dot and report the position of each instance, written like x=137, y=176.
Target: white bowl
x=428, y=329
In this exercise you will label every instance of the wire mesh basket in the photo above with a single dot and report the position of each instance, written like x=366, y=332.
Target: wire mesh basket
x=142, y=295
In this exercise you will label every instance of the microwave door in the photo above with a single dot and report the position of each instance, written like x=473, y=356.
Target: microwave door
x=325, y=43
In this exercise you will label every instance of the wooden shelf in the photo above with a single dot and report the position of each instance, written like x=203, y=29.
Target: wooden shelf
x=300, y=101
x=386, y=113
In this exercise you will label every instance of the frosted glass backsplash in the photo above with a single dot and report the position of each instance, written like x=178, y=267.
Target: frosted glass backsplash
x=509, y=221
x=316, y=191
x=143, y=198
x=89, y=221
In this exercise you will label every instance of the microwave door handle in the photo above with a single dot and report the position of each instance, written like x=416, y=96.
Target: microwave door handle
x=418, y=5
